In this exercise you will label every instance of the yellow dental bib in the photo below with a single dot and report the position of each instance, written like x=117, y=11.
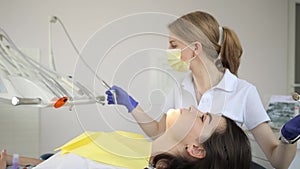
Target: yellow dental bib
x=118, y=148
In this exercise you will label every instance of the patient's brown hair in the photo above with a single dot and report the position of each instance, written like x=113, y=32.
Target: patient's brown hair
x=227, y=150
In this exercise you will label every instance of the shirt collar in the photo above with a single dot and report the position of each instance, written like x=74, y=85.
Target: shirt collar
x=187, y=82
x=227, y=83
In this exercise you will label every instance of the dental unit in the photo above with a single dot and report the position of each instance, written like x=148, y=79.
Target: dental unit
x=24, y=81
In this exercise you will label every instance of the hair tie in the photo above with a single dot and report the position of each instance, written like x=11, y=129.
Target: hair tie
x=220, y=35
x=218, y=61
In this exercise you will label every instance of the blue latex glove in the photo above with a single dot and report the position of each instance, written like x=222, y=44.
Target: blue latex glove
x=291, y=129
x=122, y=98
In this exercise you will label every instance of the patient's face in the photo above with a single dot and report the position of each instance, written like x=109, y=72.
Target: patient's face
x=190, y=126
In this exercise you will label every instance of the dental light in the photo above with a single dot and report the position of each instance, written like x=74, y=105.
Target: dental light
x=23, y=81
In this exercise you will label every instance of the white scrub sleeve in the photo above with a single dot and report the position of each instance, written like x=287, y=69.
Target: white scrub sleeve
x=255, y=112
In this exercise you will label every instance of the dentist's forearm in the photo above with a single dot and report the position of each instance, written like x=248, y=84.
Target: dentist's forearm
x=283, y=155
x=152, y=128
x=280, y=155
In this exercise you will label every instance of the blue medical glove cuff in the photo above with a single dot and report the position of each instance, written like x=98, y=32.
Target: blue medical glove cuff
x=122, y=98
x=133, y=103
x=289, y=141
x=286, y=134
x=291, y=130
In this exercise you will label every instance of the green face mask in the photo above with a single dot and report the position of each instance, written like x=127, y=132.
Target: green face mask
x=174, y=60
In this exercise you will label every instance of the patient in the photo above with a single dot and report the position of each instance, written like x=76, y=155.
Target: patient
x=3, y=159
x=212, y=142
x=209, y=142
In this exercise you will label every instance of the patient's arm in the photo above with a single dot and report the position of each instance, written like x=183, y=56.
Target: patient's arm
x=23, y=161
x=3, y=159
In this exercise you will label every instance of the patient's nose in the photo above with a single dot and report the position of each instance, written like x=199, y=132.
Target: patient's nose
x=193, y=109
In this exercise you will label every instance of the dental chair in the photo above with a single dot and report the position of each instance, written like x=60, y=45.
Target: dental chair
x=46, y=156
x=254, y=165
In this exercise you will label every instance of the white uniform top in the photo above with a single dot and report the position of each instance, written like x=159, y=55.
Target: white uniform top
x=235, y=98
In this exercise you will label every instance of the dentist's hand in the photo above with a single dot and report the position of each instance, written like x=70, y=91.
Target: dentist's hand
x=291, y=130
x=122, y=98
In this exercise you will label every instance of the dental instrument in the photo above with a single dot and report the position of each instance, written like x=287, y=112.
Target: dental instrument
x=22, y=101
x=26, y=82
x=54, y=19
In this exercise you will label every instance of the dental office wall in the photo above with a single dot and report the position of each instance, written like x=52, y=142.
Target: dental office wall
x=261, y=25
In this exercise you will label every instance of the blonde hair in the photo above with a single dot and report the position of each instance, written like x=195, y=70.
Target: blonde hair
x=203, y=27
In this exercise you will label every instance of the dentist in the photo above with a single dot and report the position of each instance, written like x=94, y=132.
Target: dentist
x=211, y=54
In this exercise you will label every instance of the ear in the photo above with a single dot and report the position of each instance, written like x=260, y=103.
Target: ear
x=198, y=48
x=196, y=151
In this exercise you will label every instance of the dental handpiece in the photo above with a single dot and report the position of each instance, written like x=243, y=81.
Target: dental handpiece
x=22, y=101
x=105, y=85
x=112, y=91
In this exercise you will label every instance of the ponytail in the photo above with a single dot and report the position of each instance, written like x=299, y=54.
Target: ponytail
x=231, y=51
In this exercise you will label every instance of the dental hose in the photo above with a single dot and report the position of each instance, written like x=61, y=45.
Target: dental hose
x=108, y=87
x=53, y=19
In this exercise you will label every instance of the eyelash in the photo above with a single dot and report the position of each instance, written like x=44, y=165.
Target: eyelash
x=202, y=118
x=173, y=46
